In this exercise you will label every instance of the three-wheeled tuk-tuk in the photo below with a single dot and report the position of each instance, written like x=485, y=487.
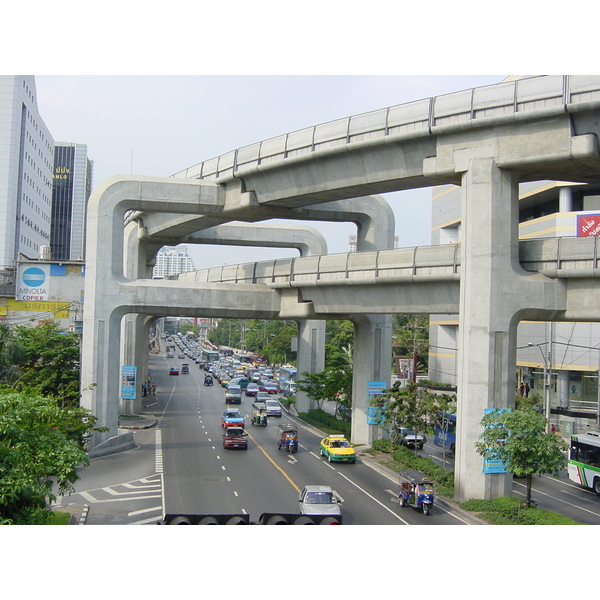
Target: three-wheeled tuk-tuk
x=259, y=415
x=416, y=491
x=185, y=368
x=288, y=438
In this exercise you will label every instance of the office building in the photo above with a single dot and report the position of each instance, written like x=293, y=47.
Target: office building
x=561, y=359
x=171, y=260
x=72, y=184
x=26, y=168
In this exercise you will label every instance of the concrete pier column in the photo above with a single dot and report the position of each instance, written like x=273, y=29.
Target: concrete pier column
x=565, y=199
x=487, y=331
x=311, y=356
x=372, y=336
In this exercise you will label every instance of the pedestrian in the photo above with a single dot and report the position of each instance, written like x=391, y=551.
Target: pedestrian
x=521, y=390
x=527, y=388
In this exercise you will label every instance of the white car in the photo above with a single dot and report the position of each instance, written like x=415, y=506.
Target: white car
x=318, y=500
x=273, y=408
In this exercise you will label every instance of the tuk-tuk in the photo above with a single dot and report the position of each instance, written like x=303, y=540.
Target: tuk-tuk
x=259, y=416
x=208, y=380
x=288, y=438
x=185, y=368
x=416, y=491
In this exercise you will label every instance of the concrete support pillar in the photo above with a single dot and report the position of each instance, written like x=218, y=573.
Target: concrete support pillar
x=565, y=199
x=487, y=330
x=372, y=337
x=311, y=356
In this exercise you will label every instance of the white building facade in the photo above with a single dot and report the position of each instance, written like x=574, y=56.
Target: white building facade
x=26, y=172
x=172, y=260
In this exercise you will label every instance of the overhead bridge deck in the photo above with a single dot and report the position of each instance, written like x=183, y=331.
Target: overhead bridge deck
x=555, y=258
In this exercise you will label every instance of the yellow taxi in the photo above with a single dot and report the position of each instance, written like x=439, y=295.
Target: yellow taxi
x=337, y=449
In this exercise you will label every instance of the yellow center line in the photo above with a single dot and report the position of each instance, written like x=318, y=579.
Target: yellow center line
x=274, y=463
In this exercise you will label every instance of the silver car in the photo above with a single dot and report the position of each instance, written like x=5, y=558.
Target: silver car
x=273, y=408
x=318, y=500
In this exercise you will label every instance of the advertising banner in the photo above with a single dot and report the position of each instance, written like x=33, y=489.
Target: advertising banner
x=491, y=464
x=375, y=388
x=32, y=283
x=128, y=382
x=588, y=225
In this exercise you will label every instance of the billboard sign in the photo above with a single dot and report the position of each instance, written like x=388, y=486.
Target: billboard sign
x=375, y=388
x=128, y=382
x=588, y=225
x=32, y=283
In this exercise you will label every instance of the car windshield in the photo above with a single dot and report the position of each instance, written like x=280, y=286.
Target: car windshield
x=340, y=444
x=319, y=498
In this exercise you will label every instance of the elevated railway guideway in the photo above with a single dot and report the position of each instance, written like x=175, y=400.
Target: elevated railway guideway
x=486, y=140
x=422, y=279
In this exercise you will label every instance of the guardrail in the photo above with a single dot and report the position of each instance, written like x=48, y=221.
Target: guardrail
x=556, y=257
x=411, y=119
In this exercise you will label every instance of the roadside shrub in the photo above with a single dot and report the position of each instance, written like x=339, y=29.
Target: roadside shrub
x=325, y=421
x=383, y=445
x=511, y=511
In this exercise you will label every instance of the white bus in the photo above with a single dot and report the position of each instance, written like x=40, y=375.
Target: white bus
x=584, y=460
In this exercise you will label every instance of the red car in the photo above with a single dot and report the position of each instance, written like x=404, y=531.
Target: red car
x=268, y=386
x=235, y=437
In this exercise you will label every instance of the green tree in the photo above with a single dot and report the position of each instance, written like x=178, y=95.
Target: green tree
x=411, y=407
x=411, y=338
x=51, y=360
x=11, y=355
x=518, y=439
x=41, y=445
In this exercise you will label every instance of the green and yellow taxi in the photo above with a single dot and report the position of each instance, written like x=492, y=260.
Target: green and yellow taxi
x=337, y=449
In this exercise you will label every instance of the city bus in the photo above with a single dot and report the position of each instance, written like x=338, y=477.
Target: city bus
x=584, y=460
x=445, y=433
x=209, y=356
x=286, y=373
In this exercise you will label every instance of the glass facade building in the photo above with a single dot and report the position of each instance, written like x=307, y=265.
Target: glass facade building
x=72, y=183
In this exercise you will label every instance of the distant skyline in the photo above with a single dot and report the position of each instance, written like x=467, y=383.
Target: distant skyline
x=159, y=125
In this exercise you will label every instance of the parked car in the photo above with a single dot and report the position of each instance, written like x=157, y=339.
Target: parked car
x=273, y=408
x=337, y=449
x=318, y=500
x=233, y=394
x=235, y=437
x=408, y=438
x=233, y=418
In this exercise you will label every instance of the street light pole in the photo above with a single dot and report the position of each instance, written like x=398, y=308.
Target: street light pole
x=547, y=362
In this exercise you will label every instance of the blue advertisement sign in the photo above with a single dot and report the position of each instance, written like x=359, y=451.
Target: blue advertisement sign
x=128, y=382
x=374, y=415
x=490, y=463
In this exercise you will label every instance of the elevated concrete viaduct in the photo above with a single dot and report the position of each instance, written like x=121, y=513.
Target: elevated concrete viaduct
x=486, y=140
x=372, y=216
